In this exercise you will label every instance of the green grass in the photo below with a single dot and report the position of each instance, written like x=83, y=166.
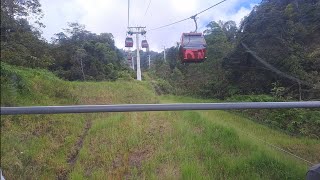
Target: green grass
x=183, y=99
x=304, y=146
x=38, y=146
x=189, y=145
x=137, y=145
x=173, y=145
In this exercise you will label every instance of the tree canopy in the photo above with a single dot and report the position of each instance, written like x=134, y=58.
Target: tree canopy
x=73, y=54
x=283, y=34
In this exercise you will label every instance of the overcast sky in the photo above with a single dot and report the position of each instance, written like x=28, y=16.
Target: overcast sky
x=111, y=16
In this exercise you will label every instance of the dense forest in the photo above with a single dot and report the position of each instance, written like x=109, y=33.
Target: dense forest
x=74, y=54
x=275, y=51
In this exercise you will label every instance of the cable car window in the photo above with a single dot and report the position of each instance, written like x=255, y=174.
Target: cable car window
x=190, y=40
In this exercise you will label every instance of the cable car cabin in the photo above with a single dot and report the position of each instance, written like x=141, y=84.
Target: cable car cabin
x=129, y=42
x=192, y=48
x=144, y=44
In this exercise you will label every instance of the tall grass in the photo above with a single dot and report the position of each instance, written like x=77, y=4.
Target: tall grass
x=189, y=145
x=144, y=145
x=38, y=146
x=177, y=145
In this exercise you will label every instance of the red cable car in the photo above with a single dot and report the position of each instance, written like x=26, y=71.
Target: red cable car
x=192, y=48
x=144, y=44
x=129, y=42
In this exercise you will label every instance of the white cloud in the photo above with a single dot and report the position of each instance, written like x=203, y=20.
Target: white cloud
x=111, y=16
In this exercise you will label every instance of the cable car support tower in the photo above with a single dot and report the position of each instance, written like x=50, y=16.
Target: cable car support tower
x=139, y=30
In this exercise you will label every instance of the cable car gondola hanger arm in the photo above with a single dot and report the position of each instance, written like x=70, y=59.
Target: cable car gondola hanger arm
x=194, y=17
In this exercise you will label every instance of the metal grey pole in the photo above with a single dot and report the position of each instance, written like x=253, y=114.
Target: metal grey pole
x=133, y=62
x=128, y=12
x=138, y=56
x=149, y=61
x=155, y=107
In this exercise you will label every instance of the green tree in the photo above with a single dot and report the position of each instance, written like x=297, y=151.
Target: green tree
x=283, y=33
x=82, y=55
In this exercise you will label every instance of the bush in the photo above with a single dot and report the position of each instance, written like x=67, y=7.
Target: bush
x=20, y=86
x=162, y=87
x=126, y=75
x=297, y=122
x=251, y=98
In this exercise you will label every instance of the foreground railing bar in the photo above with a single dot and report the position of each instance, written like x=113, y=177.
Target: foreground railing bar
x=155, y=107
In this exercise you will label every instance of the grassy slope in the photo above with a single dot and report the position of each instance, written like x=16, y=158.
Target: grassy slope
x=39, y=145
x=151, y=145
x=189, y=145
x=303, y=146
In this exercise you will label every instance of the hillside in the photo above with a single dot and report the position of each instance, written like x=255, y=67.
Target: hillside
x=283, y=34
x=286, y=35
x=39, y=145
x=150, y=145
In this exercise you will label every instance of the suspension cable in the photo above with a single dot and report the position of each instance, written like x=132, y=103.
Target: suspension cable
x=277, y=147
x=275, y=70
x=168, y=24
x=143, y=18
x=188, y=17
x=147, y=8
x=210, y=7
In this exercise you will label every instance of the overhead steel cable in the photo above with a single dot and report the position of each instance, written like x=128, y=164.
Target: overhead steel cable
x=273, y=69
x=210, y=7
x=191, y=17
x=168, y=24
x=277, y=147
x=147, y=8
x=145, y=13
